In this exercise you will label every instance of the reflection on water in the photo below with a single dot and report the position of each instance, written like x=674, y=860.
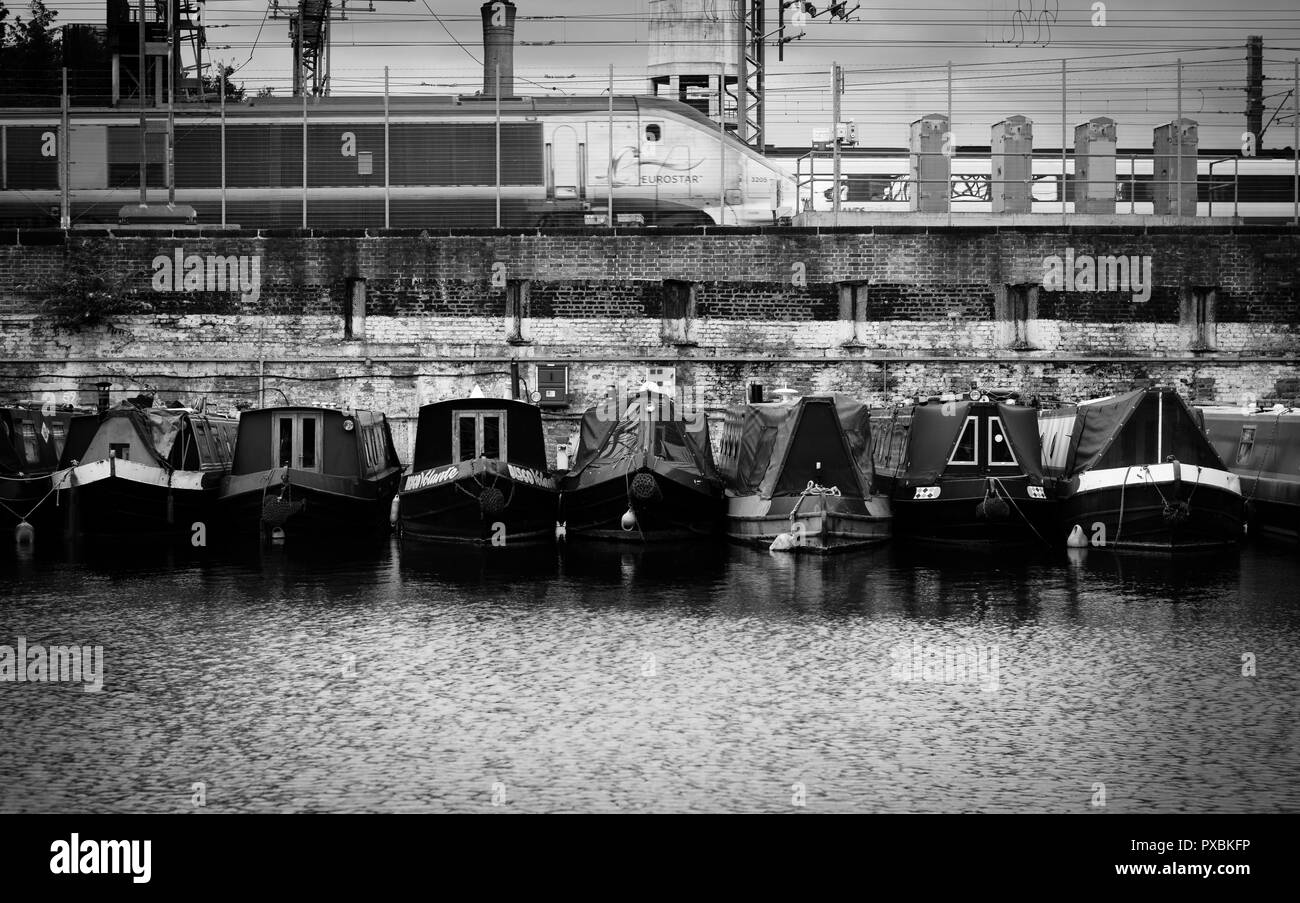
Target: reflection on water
x=603, y=677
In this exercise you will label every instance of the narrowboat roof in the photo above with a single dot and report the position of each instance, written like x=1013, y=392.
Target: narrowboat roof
x=525, y=438
x=769, y=448
x=362, y=416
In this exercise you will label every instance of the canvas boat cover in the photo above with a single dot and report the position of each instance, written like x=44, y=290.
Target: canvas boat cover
x=1121, y=431
x=773, y=449
x=150, y=435
x=936, y=429
x=610, y=441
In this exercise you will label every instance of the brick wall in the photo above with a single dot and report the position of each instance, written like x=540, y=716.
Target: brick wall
x=766, y=306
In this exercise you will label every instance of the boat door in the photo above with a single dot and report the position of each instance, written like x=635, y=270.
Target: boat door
x=564, y=166
x=478, y=434
x=298, y=441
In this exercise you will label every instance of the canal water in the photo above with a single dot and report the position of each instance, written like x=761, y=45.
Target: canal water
x=677, y=678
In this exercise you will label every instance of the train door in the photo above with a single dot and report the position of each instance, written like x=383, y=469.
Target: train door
x=627, y=157
x=564, y=165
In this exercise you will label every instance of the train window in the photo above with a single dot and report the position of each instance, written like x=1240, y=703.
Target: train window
x=1000, y=451
x=965, y=452
x=1246, y=444
x=653, y=132
x=365, y=163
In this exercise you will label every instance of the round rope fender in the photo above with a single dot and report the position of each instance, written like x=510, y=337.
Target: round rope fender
x=993, y=507
x=491, y=501
x=644, y=488
x=1176, y=513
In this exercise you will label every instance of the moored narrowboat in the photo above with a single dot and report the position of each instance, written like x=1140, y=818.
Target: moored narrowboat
x=1137, y=472
x=145, y=470
x=643, y=471
x=479, y=475
x=322, y=474
x=799, y=476
x=1262, y=447
x=965, y=470
x=33, y=438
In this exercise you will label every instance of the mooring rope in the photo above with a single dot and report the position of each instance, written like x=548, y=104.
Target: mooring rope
x=814, y=489
x=998, y=486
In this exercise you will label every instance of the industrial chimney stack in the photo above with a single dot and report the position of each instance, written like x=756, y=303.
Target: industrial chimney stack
x=498, y=47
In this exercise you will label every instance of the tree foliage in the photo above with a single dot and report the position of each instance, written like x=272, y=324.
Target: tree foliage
x=86, y=294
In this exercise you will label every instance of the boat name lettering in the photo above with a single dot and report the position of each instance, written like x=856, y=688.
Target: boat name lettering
x=431, y=477
x=528, y=476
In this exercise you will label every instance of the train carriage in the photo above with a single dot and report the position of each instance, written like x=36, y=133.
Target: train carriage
x=431, y=162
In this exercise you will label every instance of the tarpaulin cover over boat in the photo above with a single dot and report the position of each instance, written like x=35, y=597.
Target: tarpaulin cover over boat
x=149, y=434
x=774, y=449
x=609, y=440
x=1145, y=426
x=936, y=429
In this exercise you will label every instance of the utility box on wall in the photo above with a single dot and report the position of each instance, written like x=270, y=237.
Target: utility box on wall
x=553, y=385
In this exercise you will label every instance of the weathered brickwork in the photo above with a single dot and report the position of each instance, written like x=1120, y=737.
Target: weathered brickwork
x=766, y=306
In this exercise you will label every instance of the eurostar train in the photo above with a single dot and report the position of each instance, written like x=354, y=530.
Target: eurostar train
x=430, y=163
x=1258, y=189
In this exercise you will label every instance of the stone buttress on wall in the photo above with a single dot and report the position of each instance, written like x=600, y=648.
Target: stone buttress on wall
x=397, y=321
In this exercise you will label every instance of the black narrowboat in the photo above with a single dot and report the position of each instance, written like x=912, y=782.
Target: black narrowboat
x=1262, y=447
x=799, y=477
x=479, y=475
x=323, y=474
x=643, y=471
x=32, y=442
x=1138, y=473
x=965, y=470
x=145, y=470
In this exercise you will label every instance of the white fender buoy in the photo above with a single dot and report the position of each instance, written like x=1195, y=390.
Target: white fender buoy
x=629, y=520
x=1077, y=538
x=784, y=542
x=394, y=511
x=25, y=534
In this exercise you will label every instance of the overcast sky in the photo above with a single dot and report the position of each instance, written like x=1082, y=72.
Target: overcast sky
x=1006, y=56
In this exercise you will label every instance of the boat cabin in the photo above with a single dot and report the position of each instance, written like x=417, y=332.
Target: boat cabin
x=175, y=438
x=464, y=429
x=328, y=441
x=957, y=439
x=1145, y=426
x=32, y=440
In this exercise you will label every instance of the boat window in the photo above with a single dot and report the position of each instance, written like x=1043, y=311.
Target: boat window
x=285, y=456
x=467, y=448
x=309, y=443
x=30, y=448
x=491, y=447
x=477, y=433
x=58, y=435
x=298, y=441
x=965, y=452
x=1246, y=445
x=120, y=450
x=1000, y=451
